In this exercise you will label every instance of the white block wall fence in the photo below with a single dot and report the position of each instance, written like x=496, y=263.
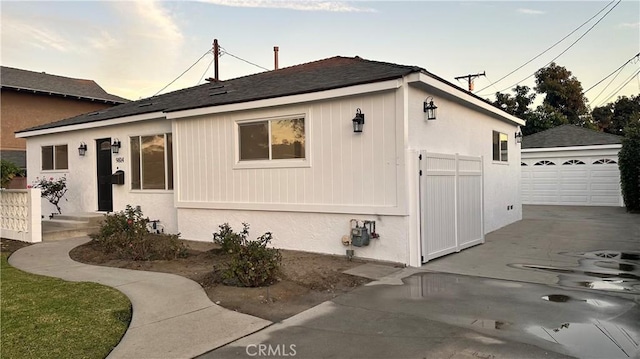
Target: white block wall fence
x=20, y=213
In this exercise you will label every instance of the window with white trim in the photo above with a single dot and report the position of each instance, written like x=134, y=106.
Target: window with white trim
x=500, y=147
x=273, y=139
x=573, y=163
x=152, y=162
x=604, y=161
x=544, y=163
x=55, y=157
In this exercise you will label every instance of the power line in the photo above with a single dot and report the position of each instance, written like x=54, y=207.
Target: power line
x=619, y=70
x=629, y=79
x=549, y=48
x=568, y=48
x=241, y=59
x=185, y=71
x=207, y=70
x=492, y=83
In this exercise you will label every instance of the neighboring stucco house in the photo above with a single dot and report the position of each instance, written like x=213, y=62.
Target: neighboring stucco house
x=570, y=165
x=279, y=151
x=29, y=98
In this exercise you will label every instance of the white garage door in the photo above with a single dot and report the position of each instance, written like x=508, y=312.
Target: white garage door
x=586, y=181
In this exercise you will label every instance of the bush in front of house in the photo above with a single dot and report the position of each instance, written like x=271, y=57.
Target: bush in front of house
x=227, y=239
x=52, y=190
x=126, y=234
x=252, y=263
x=629, y=164
x=8, y=170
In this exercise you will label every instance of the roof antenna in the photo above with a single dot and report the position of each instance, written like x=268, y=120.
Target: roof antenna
x=275, y=57
x=216, y=54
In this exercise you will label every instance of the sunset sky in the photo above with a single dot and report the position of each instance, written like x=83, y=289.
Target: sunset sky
x=134, y=49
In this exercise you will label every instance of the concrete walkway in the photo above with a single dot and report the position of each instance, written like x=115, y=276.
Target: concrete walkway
x=172, y=315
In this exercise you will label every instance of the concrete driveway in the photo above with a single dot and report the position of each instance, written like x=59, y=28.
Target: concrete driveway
x=548, y=236
x=478, y=304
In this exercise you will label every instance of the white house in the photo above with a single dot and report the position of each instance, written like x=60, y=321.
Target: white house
x=570, y=165
x=278, y=150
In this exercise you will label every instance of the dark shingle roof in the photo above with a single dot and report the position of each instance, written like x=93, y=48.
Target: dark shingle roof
x=327, y=74
x=569, y=135
x=18, y=157
x=40, y=82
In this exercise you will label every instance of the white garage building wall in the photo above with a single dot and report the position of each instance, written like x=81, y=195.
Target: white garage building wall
x=580, y=175
x=465, y=131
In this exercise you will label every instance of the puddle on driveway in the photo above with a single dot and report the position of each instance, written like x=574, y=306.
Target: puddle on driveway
x=596, y=340
x=584, y=324
x=600, y=270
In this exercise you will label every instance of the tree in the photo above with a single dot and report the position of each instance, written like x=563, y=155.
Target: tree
x=602, y=117
x=544, y=118
x=8, y=170
x=630, y=167
x=519, y=106
x=563, y=92
x=614, y=117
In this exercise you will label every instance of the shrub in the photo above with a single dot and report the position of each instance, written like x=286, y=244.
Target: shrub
x=630, y=167
x=125, y=234
x=228, y=239
x=53, y=190
x=8, y=170
x=252, y=263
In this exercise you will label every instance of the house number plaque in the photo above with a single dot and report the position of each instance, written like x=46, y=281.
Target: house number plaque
x=120, y=159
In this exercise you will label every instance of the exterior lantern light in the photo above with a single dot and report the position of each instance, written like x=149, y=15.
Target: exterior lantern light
x=82, y=150
x=115, y=146
x=358, y=121
x=430, y=108
x=518, y=137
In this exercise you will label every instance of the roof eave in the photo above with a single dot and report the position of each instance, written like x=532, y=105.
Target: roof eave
x=432, y=82
x=157, y=115
x=571, y=148
x=53, y=93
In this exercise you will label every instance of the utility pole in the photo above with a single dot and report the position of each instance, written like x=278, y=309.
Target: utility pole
x=216, y=53
x=470, y=78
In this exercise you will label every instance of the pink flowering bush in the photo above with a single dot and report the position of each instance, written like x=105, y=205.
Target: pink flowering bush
x=53, y=190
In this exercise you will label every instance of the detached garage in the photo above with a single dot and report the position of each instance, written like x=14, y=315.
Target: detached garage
x=570, y=165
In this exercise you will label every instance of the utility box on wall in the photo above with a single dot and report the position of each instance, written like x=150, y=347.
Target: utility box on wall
x=118, y=177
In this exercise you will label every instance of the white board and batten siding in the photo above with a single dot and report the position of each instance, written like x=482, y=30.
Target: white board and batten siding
x=579, y=178
x=307, y=206
x=343, y=172
x=451, y=203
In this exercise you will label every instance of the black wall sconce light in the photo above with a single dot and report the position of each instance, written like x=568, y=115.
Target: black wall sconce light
x=358, y=121
x=115, y=146
x=82, y=149
x=518, y=137
x=430, y=108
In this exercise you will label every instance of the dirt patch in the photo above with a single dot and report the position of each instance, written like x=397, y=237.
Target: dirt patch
x=10, y=246
x=307, y=279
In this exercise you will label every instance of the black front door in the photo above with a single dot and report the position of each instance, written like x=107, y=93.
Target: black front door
x=105, y=191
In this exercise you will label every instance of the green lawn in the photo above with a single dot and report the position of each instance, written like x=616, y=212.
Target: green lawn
x=45, y=317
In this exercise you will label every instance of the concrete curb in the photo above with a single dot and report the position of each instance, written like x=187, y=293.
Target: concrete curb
x=172, y=315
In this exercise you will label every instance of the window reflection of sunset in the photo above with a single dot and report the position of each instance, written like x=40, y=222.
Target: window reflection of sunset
x=284, y=132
